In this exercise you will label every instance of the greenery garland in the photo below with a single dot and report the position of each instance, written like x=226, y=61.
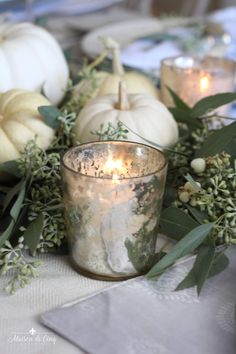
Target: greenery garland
x=199, y=201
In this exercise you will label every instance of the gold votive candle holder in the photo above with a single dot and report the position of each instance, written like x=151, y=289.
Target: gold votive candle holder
x=113, y=194
x=193, y=78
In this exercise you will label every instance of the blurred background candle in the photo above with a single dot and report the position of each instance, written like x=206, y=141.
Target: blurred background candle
x=193, y=78
x=113, y=194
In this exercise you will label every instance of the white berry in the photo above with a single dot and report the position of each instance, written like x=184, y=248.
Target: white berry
x=198, y=165
x=184, y=197
x=190, y=188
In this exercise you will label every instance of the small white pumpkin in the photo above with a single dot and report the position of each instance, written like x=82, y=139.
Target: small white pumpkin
x=20, y=122
x=31, y=59
x=144, y=115
x=107, y=83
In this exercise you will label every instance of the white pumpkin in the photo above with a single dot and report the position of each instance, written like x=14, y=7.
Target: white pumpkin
x=31, y=59
x=107, y=83
x=20, y=122
x=143, y=115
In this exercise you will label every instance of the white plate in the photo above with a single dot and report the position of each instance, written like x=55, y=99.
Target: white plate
x=126, y=32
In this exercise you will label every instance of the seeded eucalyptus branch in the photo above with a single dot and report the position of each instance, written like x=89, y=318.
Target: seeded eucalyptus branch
x=201, y=191
x=39, y=223
x=199, y=201
x=13, y=260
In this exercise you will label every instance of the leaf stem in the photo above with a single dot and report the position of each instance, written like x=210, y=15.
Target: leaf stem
x=215, y=116
x=154, y=144
x=98, y=60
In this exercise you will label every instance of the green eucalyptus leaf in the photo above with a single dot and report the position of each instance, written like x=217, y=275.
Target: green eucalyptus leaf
x=170, y=195
x=51, y=115
x=185, y=246
x=207, y=104
x=4, y=236
x=182, y=116
x=230, y=148
x=10, y=167
x=218, y=141
x=11, y=194
x=33, y=232
x=175, y=223
x=201, y=268
x=179, y=103
x=219, y=264
x=22, y=220
x=4, y=189
x=1, y=201
x=199, y=216
x=16, y=208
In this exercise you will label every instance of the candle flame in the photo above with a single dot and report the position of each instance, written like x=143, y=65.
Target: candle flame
x=114, y=167
x=204, y=83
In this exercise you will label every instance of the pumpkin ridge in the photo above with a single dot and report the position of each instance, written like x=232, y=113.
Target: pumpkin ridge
x=9, y=139
x=27, y=102
x=14, y=152
x=8, y=66
x=47, y=44
x=37, y=32
x=6, y=99
x=21, y=126
x=37, y=55
x=14, y=119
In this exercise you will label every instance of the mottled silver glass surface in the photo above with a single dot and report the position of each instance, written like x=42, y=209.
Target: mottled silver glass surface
x=193, y=78
x=112, y=214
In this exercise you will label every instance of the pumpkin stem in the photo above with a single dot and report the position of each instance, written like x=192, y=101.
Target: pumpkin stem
x=123, y=103
x=117, y=67
x=114, y=47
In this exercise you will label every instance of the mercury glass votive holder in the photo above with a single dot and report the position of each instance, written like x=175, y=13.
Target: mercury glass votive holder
x=113, y=194
x=193, y=78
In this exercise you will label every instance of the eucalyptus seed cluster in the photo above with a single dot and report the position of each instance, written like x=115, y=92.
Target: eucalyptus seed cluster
x=13, y=259
x=44, y=195
x=198, y=137
x=181, y=156
x=185, y=149
x=109, y=132
x=80, y=93
x=37, y=164
x=47, y=199
x=214, y=194
x=65, y=135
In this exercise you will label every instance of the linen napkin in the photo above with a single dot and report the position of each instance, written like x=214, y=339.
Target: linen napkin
x=146, y=317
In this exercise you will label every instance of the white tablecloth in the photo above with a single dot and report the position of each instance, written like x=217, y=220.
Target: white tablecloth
x=22, y=333
x=58, y=283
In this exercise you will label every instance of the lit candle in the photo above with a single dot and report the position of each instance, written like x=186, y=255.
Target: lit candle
x=112, y=196
x=193, y=78
x=114, y=168
x=204, y=84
